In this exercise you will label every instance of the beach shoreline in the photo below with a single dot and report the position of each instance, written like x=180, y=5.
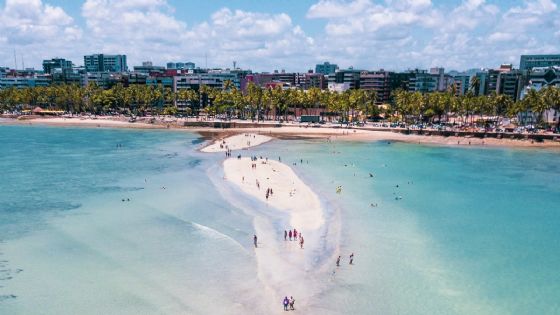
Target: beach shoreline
x=293, y=131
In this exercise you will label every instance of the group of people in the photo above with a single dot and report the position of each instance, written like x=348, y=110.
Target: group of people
x=288, y=234
x=351, y=262
x=268, y=192
x=289, y=302
x=254, y=165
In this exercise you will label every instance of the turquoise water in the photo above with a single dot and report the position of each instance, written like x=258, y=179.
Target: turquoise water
x=474, y=231
x=477, y=230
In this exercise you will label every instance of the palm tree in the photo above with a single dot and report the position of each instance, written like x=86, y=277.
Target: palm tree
x=534, y=103
x=475, y=85
x=551, y=99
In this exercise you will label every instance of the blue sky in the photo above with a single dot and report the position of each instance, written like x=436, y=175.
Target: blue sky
x=283, y=34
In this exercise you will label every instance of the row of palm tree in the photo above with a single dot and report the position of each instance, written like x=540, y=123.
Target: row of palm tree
x=278, y=103
x=92, y=99
x=417, y=107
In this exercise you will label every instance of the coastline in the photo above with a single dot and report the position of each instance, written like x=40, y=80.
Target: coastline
x=296, y=131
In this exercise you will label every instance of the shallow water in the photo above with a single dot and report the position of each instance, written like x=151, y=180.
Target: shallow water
x=476, y=230
x=70, y=245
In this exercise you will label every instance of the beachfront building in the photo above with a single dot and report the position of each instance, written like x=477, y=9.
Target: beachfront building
x=105, y=63
x=528, y=62
x=104, y=80
x=181, y=65
x=461, y=84
x=148, y=68
x=287, y=79
x=3, y=71
x=422, y=81
x=442, y=80
x=540, y=78
x=543, y=77
x=326, y=68
x=67, y=76
x=378, y=81
x=512, y=83
x=24, y=82
x=492, y=80
x=338, y=87
x=349, y=76
x=56, y=64
x=211, y=79
x=310, y=80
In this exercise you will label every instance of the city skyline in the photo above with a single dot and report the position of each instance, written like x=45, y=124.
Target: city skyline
x=394, y=35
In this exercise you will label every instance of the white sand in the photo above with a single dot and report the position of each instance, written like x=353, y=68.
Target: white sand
x=282, y=266
x=290, y=194
x=107, y=122
x=236, y=142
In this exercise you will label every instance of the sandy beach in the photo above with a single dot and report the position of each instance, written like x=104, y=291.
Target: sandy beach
x=290, y=193
x=236, y=142
x=283, y=263
x=294, y=131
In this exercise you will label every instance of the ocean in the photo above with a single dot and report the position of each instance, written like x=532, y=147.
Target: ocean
x=139, y=222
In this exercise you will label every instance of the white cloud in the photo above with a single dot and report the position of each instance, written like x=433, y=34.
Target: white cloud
x=370, y=34
x=337, y=8
x=474, y=33
x=36, y=30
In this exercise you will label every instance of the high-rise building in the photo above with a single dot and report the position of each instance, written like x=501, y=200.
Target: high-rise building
x=105, y=63
x=147, y=67
x=527, y=62
x=377, y=81
x=311, y=80
x=423, y=82
x=349, y=76
x=326, y=68
x=511, y=83
x=181, y=65
x=49, y=66
x=543, y=77
x=24, y=82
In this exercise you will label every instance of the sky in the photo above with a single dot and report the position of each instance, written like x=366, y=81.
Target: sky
x=294, y=35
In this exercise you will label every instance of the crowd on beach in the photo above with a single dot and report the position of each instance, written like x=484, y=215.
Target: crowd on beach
x=294, y=236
